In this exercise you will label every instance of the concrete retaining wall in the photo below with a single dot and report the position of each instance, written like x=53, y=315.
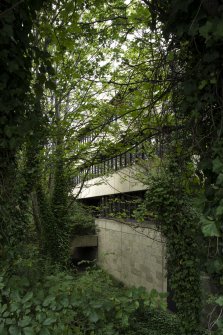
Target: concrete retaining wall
x=135, y=256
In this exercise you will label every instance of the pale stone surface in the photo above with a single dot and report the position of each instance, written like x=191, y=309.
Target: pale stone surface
x=133, y=255
x=124, y=180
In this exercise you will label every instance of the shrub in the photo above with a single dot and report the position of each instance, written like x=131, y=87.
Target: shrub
x=61, y=303
x=81, y=220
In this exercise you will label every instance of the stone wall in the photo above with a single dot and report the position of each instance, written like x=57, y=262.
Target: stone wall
x=133, y=255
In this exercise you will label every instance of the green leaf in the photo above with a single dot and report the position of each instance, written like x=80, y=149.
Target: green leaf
x=6, y=314
x=218, y=32
x=48, y=301
x=64, y=302
x=170, y=56
x=3, y=330
x=219, y=301
x=209, y=227
x=3, y=308
x=10, y=321
x=219, y=179
x=44, y=331
x=215, y=266
x=202, y=84
x=206, y=29
x=93, y=317
x=219, y=210
x=24, y=322
x=27, y=297
x=49, y=321
x=14, y=330
x=119, y=315
x=28, y=331
x=217, y=165
x=125, y=320
x=219, y=323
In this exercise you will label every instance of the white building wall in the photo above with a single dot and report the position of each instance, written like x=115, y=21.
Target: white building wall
x=122, y=181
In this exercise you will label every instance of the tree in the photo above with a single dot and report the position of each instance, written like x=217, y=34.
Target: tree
x=153, y=66
x=20, y=114
x=194, y=35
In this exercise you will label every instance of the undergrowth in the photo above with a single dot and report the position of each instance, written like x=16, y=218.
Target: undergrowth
x=37, y=298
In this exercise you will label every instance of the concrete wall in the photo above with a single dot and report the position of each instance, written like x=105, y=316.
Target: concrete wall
x=122, y=181
x=135, y=256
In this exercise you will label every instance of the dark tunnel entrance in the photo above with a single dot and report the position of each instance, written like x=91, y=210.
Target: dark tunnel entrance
x=84, y=257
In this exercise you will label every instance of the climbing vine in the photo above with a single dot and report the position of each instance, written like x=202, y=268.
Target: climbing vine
x=194, y=33
x=192, y=81
x=168, y=204
x=21, y=116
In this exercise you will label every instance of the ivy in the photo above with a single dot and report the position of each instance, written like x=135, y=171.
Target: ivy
x=169, y=205
x=182, y=79
x=194, y=33
x=20, y=114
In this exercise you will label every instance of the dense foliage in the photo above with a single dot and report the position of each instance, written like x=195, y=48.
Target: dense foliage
x=167, y=204
x=20, y=114
x=194, y=34
x=36, y=298
x=119, y=73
